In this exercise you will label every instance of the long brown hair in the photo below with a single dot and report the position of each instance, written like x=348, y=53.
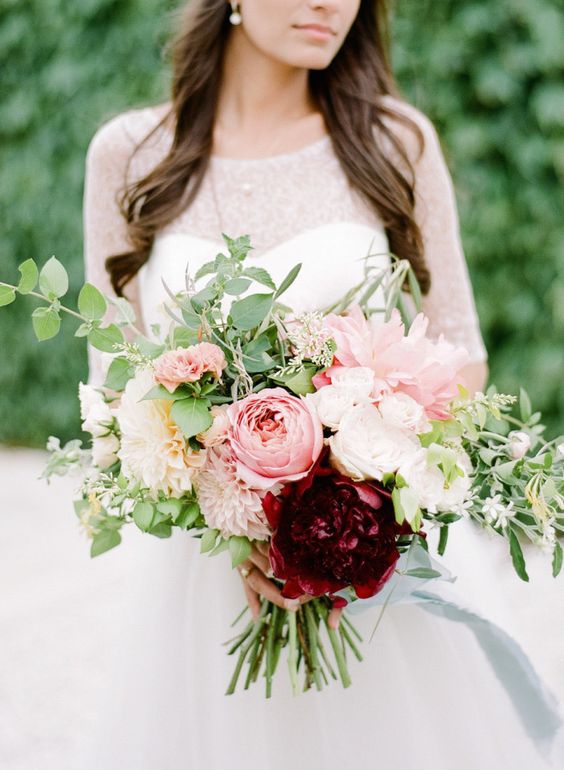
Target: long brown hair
x=348, y=94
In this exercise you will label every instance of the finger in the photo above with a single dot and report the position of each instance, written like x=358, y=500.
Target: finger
x=259, y=560
x=335, y=617
x=252, y=597
x=263, y=546
x=260, y=583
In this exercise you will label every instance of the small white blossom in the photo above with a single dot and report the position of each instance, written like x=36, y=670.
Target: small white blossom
x=311, y=339
x=519, y=444
x=496, y=512
x=548, y=538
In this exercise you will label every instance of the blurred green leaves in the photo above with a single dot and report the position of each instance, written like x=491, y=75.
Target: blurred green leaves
x=489, y=75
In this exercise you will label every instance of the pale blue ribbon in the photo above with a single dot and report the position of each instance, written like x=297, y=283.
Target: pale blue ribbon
x=534, y=703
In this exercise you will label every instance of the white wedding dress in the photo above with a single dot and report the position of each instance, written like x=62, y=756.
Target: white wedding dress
x=426, y=696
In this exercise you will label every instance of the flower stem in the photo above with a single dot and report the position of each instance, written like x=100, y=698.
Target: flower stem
x=339, y=655
x=293, y=651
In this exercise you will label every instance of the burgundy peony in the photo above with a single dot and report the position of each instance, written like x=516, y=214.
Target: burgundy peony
x=330, y=533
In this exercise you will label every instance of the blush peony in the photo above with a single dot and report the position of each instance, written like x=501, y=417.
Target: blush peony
x=275, y=436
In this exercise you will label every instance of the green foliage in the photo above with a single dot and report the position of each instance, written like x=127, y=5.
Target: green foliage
x=488, y=75
x=64, y=69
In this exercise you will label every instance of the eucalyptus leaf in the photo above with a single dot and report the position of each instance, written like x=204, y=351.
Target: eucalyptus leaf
x=46, y=323
x=160, y=392
x=207, y=543
x=29, y=276
x=104, y=338
x=188, y=516
x=83, y=330
x=171, y=507
x=192, y=415
x=91, y=303
x=240, y=549
x=143, y=514
x=7, y=295
x=162, y=529
x=301, y=382
x=103, y=541
x=53, y=279
x=119, y=373
x=149, y=348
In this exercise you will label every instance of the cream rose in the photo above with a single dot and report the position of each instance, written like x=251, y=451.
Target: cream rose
x=404, y=412
x=349, y=387
x=367, y=447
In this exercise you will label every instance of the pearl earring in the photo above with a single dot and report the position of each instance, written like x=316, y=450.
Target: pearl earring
x=235, y=17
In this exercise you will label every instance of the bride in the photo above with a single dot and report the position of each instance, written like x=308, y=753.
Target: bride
x=284, y=123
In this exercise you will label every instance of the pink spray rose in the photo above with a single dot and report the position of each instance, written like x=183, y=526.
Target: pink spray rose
x=189, y=364
x=276, y=437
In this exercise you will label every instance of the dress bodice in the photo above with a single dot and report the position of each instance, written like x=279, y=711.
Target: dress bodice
x=297, y=207
x=331, y=257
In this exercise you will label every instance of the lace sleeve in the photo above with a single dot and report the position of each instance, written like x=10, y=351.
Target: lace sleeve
x=105, y=230
x=449, y=304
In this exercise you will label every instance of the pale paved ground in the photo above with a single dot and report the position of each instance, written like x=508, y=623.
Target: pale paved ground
x=57, y=607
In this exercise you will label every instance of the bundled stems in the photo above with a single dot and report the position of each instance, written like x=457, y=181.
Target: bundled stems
x=260, y=644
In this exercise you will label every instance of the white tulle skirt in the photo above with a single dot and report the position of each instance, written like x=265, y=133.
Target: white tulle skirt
x=424, y=698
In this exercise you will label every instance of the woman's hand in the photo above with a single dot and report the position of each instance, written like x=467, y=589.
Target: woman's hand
x=257, y=583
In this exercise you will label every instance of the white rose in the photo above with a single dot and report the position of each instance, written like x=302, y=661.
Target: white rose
x=401, y=410
x=104, y=450
x=349, y=387
x=98, y=419
x=519, y=444
x=427, y=481
x=331, y=403
x=366, y=447
x=88, y=397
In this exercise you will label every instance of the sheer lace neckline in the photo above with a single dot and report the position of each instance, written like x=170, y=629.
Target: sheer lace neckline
x=309, y=149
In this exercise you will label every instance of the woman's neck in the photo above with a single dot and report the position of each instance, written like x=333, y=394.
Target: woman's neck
x=261, y=98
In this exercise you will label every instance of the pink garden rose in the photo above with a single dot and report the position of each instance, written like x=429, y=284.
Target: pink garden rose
x=189, y=364
x=276, y=437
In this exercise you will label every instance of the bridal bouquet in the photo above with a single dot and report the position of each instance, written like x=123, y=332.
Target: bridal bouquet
x=336, y=438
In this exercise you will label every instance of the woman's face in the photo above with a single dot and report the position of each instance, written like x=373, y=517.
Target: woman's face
x=297, y=32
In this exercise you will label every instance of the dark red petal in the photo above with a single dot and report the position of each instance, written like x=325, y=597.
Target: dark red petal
x=291, y=589
x=338, y=601
x=371, y=587
x=272, y=508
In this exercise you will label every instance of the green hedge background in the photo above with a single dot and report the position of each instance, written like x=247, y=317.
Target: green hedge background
x=490, y=76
